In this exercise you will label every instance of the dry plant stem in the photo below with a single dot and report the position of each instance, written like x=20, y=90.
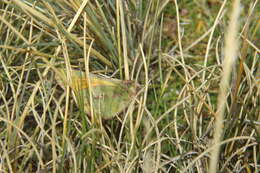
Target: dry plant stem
x=31, y=11
x=133, y=134
x=14, y=30
x=54, y=135
x=237, y=152
x=86, y=62
x=179, y=32
x=186, y=77
x=119, y=38
x=211, y=37
x=39, y=16
x=123, y=30
x=191, y=87
x=234, y=109
x=75, y=19
x=244, y=52
x=237, y=138
x=230, y=51
x=27, y=137
x=68, y=69
x=144, y=103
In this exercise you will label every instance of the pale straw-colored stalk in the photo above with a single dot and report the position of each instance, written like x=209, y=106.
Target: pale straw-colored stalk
x=230, y=54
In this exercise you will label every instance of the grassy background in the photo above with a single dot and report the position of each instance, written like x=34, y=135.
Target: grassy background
x=177, y=51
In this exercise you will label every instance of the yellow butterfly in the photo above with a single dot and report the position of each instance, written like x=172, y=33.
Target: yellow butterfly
x=109, y=96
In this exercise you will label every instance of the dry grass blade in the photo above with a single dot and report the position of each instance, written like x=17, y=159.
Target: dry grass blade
x=231, y=47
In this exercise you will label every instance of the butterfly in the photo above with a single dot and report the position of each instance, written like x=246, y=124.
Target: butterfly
x=109, y=96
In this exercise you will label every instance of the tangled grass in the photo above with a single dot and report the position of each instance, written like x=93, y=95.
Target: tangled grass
x=197, y=64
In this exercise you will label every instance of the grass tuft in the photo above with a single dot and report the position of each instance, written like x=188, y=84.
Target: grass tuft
x=196, y=102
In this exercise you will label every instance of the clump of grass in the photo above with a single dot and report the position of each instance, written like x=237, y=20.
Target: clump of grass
x=175, y=58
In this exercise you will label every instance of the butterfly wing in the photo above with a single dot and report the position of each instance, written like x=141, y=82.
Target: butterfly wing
x=109, y=96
